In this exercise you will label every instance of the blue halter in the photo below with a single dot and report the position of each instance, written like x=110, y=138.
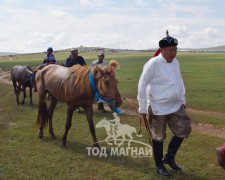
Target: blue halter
x=98, y=95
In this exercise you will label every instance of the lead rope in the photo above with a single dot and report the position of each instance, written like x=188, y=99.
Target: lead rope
x=147, y=124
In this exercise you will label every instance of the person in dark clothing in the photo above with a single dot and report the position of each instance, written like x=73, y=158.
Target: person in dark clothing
x=74, y=59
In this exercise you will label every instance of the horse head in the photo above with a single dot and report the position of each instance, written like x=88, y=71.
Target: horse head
x=28, y=76
x=106, y=84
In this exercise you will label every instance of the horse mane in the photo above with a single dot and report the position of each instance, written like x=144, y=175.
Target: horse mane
x=80, y=79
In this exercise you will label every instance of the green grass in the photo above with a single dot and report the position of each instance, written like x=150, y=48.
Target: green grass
x=24, y=156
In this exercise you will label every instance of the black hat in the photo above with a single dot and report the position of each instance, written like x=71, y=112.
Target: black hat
x=168, y=41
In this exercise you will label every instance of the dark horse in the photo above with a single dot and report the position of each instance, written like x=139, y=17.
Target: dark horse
x=21, y=79
x=72, y=86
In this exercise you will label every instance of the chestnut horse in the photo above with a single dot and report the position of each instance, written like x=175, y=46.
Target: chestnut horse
x=73, y=86
x=21, y=79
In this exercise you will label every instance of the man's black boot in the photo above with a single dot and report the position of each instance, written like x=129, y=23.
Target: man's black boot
x=174, y=145
x=101, y=107
x=158, y=155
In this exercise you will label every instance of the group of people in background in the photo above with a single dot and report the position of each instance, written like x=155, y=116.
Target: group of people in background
x=75, y=59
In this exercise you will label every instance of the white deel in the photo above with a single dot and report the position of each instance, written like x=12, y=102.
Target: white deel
x=161, y=86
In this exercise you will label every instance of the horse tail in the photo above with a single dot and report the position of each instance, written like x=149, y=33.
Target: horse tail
x=12, y=71
x=42, y=117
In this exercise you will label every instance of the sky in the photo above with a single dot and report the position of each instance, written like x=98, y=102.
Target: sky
x=32, y=26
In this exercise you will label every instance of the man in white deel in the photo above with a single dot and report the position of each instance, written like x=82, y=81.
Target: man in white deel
x=161, y=94
x=100, y=62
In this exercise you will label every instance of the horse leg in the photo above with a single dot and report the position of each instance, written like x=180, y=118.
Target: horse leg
x=42, y=117
x=16, y=90
x=89, y=115
x=50, y=114
x=30, y=91
x=68, y=125
x=24, y=94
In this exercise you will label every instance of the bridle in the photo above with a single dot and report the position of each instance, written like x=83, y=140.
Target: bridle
x=98, y=95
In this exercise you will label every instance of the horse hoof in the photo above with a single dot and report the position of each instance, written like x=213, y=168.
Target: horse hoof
x=97, y=145
x=53, y=137
x=63, y=144
x=40, y=136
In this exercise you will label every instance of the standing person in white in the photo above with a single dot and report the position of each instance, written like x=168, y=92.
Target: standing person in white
x=161, y=94
x=100, y=62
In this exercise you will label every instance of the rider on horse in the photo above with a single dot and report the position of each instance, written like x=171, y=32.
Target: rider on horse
x=49, y=58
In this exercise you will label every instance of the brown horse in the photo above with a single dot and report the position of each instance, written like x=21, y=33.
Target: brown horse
x=21, y=79
x=72, y=86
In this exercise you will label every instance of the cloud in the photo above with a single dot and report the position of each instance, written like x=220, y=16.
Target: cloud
x=94, y=3
x=4, y=38
x=111, y=40
x=140, y=3
x=134, y=24
x=195, y=1
x=57, y=13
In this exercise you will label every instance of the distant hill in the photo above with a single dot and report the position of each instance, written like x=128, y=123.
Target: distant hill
x=217, y=48
x=209, y=49
x=96, y=49
x=7, y=53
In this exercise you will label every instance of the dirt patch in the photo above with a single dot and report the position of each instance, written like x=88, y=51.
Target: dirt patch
x=207, y=113
x=5, y=77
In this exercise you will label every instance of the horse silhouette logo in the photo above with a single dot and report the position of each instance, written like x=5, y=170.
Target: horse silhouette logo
x=117, y=132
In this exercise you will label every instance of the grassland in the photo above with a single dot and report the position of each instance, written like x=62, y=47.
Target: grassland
x=24, y=156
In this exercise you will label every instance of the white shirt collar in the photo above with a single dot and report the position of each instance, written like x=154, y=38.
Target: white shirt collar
x=162, y=59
